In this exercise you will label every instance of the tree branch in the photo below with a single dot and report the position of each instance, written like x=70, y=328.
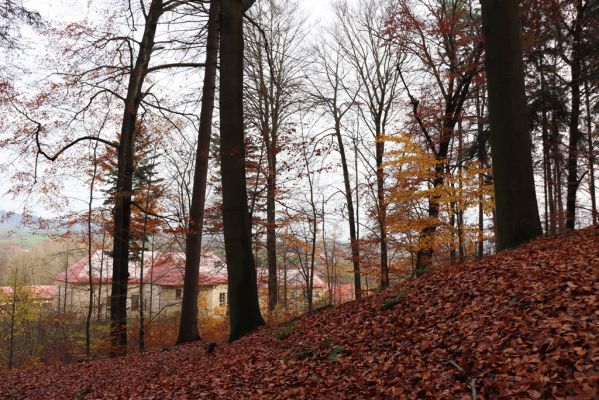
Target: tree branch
x=175, y=65
x=415, y=103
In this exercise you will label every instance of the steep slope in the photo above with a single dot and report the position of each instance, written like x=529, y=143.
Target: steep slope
x=522, y=324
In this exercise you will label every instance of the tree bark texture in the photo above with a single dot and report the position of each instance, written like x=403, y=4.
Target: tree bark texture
x=188, y=325
x=124, y=184
x=516, y=204
x=243, y=291
x=355, y=246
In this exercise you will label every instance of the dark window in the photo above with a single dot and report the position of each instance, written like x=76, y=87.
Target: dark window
x=222, y=299
x=178, y=293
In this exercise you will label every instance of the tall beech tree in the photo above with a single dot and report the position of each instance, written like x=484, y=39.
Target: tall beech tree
x=516, y=204
x=124, y=183
x=242, y=284
x=188, y=326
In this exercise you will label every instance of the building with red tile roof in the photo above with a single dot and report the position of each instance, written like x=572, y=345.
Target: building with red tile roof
x=162, y=281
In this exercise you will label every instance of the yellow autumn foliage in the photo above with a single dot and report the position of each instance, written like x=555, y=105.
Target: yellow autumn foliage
x=412, y=170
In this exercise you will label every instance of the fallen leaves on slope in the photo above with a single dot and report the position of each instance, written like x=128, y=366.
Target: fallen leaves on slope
x=522, y=324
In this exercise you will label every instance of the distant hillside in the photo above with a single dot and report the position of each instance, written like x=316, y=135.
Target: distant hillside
x=521, y=324
x=19, y=223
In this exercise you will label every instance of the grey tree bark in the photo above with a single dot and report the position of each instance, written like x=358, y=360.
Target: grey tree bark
x=188, y=326
x=516, y=204
x=244, y=309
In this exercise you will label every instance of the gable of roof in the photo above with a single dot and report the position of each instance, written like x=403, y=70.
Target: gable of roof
x=160, y=268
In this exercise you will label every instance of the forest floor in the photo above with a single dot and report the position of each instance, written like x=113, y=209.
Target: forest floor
x=521, y=324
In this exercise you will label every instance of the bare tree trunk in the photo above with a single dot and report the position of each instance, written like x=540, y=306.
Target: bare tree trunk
x=590, y=152
x=271, y=240
x=516, y=204
x=550, y=203
x=452, y=224
x=314, y=230
x=99, y=311
x=557, y=171
x=482, y=159
x=66, y=280
x=13, y=316
x=380, y=189
x=90, y=306
x=142, y=327
x=575, y=134
x=243, y=292
x=124, y=184
x=327, y=257
x=188, y=325
x=460, y=208
x=355, y=246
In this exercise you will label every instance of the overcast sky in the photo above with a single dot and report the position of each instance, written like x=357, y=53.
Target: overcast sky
x=71, y=10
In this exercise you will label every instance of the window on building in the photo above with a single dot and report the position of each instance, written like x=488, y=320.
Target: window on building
x=134, y=302
x=222, y=299
x=178, y=293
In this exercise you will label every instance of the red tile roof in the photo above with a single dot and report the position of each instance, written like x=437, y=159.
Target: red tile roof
x=44, y=292
x=160, y=268
x=168, y=269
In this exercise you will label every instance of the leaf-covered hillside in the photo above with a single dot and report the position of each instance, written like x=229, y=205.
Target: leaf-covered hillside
x=522, y=324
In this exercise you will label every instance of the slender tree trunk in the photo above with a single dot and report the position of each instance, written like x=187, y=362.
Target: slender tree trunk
x=13, y=316
x=557, y=171
x=327, y=257
x=575, y=134
x=90, y=306
x=382, y=212
x=271, y=240
x=516, y=204
x=482, y=159
x=314, y=230
x=550, y=203
x=188, y=324
x=124, y=184
x=285, y=280
x=452, y=224
x=142, y=328
x=150, y=308
x=573, y=144
x=460, y=201
x=590, y=150
x=243, y=292
x=66, y=280
x=312, y=258
x=355, y=246
x=99, y=311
